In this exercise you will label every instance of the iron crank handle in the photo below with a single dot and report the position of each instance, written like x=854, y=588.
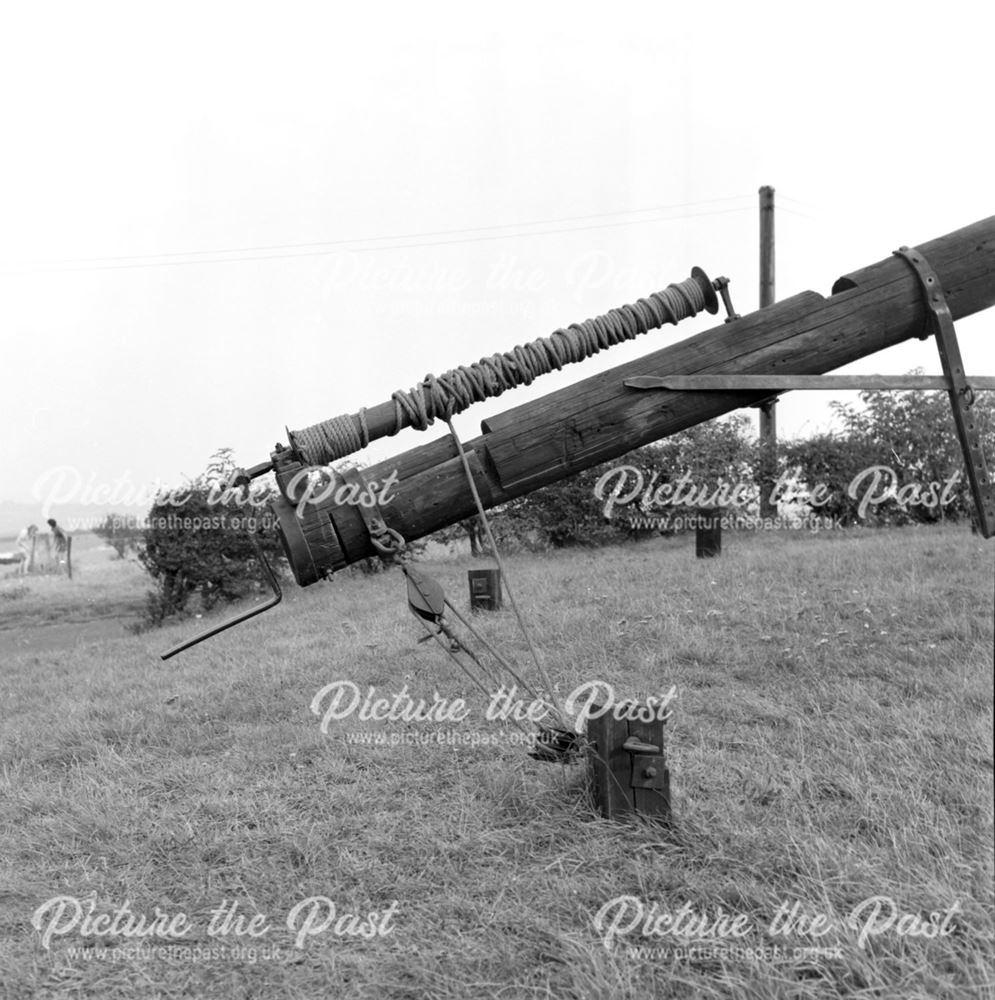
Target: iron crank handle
x=238, y=619
x=635, y=745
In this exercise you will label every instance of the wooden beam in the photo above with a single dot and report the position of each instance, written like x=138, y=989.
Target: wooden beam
x=599, y=418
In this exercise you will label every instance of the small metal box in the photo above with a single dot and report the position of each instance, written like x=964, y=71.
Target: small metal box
x=485, y=589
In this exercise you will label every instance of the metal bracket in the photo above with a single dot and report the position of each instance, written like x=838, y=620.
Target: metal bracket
x=721, y=285
x=635, y=745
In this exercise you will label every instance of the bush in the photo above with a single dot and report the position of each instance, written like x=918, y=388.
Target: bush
x=710, y=466
x=900, y=453
x=122, y=533
x=197, y=542
x=573, y=511
x=564, y=513
x=830, y=461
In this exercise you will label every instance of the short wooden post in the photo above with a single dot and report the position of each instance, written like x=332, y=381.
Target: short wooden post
x=31, y=558
x=69, y=556
x=708, y=534
x=485, y=589
x=628, y=766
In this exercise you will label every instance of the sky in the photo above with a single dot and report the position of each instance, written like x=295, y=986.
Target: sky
x=218, y=220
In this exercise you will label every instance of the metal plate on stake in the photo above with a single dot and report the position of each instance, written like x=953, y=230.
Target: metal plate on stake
x=650, y=776
x=961, y=394
x=649, y=771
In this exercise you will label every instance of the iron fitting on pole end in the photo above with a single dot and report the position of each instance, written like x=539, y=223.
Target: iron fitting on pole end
x=295, y=544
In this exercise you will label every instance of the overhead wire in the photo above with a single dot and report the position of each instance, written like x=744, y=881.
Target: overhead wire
x=353, y=246
x=787, y=197
x=791, y=211
x=356, y=244
x=410, y=236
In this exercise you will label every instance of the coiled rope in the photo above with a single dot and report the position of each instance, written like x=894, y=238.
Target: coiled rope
x=440, y=398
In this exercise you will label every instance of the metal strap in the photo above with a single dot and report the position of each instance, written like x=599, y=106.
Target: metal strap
x=961, y=394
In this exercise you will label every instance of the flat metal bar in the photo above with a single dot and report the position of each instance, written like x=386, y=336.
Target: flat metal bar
x=764, y=383
x=959, y=388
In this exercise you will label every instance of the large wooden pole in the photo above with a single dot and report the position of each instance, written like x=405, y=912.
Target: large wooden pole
x=599, y=418
x=768, y=409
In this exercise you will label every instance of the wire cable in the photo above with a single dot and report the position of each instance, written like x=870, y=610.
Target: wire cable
x=197, y=257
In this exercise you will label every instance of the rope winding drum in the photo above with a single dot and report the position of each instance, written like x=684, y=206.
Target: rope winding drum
x=440, y=398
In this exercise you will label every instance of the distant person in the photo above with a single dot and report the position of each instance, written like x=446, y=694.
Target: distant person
x=61, y=540
x=25, y=546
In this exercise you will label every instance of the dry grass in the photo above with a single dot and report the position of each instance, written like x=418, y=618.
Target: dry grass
x=831, y=742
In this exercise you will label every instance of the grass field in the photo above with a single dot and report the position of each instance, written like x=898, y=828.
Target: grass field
x=831, y=743
x=103, y=589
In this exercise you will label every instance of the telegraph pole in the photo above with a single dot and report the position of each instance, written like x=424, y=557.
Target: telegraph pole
x=768, y=408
